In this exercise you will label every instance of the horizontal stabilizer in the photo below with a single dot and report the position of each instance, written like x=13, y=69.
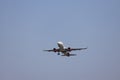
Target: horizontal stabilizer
x=69, y=55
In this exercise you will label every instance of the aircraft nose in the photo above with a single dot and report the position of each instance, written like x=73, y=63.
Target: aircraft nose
x=59, y=42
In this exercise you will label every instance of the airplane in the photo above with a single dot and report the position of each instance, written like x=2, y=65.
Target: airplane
x=65, y=51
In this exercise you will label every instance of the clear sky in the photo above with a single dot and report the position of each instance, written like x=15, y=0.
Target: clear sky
x=27, y=27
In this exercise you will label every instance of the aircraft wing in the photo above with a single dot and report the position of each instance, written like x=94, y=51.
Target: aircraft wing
x=53, y=50
x=49, y=50
x=74, y=49
x=78, y=49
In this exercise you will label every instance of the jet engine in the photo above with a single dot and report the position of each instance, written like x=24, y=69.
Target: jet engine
x=54, y=49
x=68, y=54
x=69, y=49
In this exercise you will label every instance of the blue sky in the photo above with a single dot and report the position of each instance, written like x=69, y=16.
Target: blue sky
x=27, y=27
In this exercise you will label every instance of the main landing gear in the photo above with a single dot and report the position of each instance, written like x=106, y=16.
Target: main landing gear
x=58, y=53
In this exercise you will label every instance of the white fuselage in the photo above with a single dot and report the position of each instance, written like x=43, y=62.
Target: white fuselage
x=61, y=46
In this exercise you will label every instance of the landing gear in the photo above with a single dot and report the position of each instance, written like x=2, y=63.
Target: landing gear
x=58, y=53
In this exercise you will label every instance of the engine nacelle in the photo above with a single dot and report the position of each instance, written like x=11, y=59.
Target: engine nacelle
x=54, y=49
x=68, y=54
x=69, y=49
